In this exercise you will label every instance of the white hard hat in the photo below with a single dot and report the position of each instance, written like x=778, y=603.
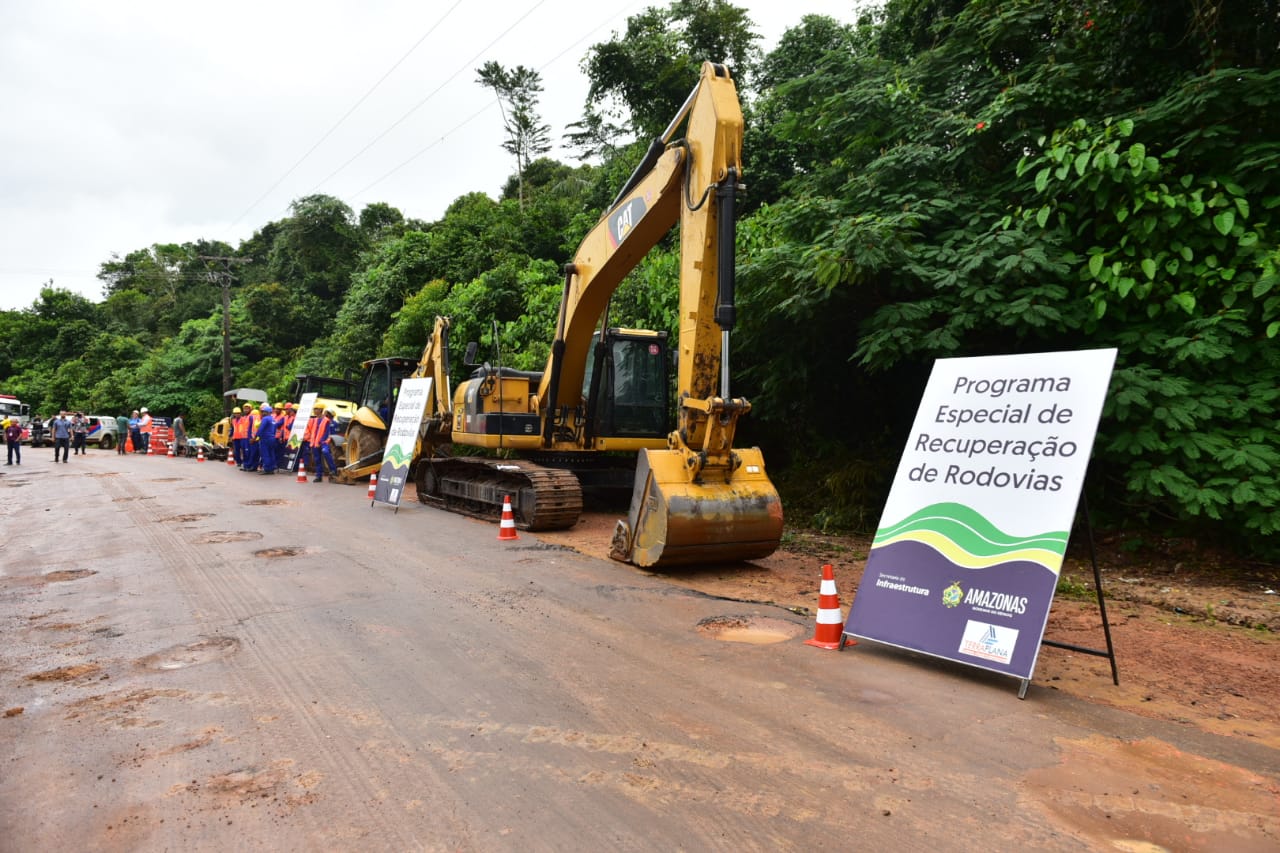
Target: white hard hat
x=143, y=410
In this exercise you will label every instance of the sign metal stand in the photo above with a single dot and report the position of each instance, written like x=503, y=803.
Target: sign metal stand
x=1110, y=651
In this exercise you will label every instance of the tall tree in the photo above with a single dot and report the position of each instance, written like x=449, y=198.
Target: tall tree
x=517, y=90
x=315, y=251
x=640, y=78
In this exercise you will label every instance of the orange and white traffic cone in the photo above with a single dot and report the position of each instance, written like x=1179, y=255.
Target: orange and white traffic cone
x=830, y=627
x=302, y=471
x=151, y=451
x=373, y=484
x=231, y=457
x=170, y=454
x=507, y=527
x=200, y=455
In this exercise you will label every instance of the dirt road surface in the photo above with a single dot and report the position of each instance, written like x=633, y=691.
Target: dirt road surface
x=197, y=658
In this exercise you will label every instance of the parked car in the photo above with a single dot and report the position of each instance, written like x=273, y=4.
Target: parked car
x=103, y=431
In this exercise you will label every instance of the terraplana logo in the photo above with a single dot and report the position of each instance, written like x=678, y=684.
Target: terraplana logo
x=953, y=595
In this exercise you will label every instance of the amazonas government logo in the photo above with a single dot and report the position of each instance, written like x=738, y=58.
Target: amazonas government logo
x=953, y=595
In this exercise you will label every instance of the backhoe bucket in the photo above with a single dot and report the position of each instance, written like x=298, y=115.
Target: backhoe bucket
x=673, y=521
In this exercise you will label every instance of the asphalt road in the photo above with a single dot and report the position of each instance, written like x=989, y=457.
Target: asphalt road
x=201, y=659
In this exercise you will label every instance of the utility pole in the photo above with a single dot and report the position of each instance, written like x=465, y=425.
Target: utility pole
x=224, y=276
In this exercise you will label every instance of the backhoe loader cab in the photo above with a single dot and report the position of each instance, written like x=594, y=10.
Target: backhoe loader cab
x=381, y=385
x=365, y=435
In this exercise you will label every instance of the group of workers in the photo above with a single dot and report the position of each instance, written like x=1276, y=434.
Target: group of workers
x=260, y=439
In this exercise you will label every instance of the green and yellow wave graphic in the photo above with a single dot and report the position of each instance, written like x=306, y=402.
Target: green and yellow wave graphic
x=397, y=457
x=965, y=537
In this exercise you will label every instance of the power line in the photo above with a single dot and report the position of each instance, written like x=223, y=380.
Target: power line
x=346, y=115
x=485, y=108
x=431, y=95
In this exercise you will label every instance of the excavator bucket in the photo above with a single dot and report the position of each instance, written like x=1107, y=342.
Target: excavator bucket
x=674, y=522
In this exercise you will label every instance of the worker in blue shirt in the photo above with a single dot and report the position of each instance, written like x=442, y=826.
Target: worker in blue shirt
x=266, y=436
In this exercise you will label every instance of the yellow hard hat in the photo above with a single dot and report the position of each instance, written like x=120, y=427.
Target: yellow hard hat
x=235, y=410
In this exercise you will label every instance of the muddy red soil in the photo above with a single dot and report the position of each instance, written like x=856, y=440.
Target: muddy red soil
x=1196, y=635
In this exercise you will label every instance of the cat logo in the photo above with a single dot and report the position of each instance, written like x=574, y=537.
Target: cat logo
x=624, y=219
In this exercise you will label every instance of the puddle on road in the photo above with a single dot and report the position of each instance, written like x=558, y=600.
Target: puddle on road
x=754, y=630
x=218, y=536
x=188, y=516
x=190, y=654
x=269, y=502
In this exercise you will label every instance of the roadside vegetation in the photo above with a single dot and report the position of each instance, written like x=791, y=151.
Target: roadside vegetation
x=938, y=178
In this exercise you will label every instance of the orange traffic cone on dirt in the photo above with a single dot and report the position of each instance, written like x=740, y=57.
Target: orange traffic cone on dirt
x=507, y=527
x=200, y=455
x=170, y=453
x=231, y=457
x=302, y=471
x=830, y=627
x=373, y=484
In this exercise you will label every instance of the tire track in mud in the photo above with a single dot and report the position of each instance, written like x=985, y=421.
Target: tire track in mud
x=287, y=672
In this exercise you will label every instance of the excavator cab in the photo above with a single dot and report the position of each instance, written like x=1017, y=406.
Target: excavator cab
x=627, y=384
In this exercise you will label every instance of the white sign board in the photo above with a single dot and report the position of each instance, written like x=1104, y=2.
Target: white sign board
x=966, y=558
x=402, y=440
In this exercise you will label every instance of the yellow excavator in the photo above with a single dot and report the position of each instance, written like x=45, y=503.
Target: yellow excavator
x=604, y=394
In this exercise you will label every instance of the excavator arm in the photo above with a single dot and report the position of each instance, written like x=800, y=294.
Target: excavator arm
x=437, y=417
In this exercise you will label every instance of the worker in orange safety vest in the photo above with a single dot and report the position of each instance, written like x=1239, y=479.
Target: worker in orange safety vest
x=239, y=432
x=322, y=454
x=253, y=453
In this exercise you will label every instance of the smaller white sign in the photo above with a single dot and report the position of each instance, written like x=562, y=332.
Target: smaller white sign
x=988, y=642
x=299, y=429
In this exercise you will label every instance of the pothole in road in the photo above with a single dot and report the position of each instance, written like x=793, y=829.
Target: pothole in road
x=167, y=480
x=190, y=654
x=755, y=630
x=17, y=484
x=135, y=498
x=65, y=673
x=218, y=536
x=286, y=551
x=67, y=575
x=269, y=502
x=188, y=516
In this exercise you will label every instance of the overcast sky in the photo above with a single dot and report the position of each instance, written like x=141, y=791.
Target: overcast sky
x=129, y=124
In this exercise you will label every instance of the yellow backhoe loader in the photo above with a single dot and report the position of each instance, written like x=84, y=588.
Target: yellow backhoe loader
x=366, y=435
x=604, y=393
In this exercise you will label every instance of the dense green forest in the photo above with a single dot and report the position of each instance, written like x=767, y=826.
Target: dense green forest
x=939, y=178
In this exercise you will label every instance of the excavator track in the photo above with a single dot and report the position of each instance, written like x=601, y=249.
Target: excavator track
x=541, y=498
